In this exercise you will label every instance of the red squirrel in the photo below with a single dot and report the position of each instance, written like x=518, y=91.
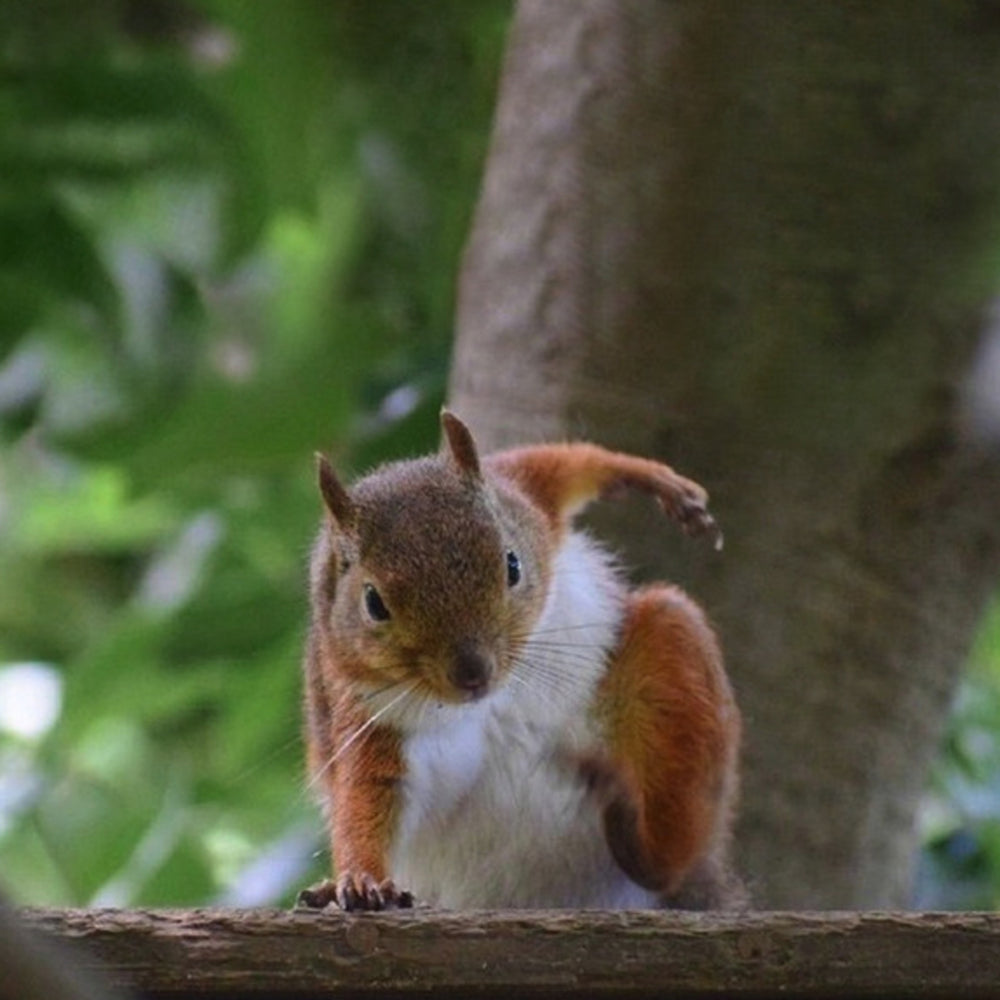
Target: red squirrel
x=493, y=718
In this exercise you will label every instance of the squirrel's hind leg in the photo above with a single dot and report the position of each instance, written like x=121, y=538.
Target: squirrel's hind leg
x=668, y=784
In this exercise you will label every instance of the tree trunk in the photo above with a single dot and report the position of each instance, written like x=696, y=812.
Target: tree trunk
x=757, y=240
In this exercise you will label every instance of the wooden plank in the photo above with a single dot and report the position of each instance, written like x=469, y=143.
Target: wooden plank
x=255, y=953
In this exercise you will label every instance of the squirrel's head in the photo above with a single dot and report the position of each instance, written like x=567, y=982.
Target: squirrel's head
x=429, y=574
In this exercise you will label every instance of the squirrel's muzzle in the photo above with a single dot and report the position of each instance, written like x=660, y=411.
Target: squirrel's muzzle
x=471, y=671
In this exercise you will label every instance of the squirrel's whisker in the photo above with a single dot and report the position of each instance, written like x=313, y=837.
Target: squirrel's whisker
x=358, y=733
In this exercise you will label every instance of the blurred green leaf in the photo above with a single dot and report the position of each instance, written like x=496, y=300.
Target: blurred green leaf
x=91, y=513
x=960, y=866
x=39, y=236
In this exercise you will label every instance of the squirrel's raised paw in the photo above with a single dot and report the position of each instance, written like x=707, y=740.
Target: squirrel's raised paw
x=355, y=892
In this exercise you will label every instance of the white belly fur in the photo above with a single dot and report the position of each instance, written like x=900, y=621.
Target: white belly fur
x=489, y=817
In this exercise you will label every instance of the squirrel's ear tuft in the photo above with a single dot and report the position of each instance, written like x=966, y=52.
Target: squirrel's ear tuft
x=461, y=447
x=338, y=503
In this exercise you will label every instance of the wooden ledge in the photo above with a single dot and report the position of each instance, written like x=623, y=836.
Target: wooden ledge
x=254, y=953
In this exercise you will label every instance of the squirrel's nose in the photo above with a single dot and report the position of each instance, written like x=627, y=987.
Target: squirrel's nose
x=470, y=672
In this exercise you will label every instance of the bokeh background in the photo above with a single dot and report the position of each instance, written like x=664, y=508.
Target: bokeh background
x=229, y=236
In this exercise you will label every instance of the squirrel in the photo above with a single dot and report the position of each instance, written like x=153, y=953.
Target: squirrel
x=493, y=718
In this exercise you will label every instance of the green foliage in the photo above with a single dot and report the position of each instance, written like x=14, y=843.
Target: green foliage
x=228, y=237
x=960, y=866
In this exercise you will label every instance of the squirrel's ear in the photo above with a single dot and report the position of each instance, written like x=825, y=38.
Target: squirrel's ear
x=338, y=503
x=460, y=445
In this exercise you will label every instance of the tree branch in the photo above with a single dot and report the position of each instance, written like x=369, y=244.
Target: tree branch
x=230, y=953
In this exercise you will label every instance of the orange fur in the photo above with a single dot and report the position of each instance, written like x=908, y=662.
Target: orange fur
x=363, y=785
x=563, y=478
x=356, y=777
x=673, y=730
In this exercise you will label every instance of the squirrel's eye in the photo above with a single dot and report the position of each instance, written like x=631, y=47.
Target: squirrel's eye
x=375, y=606
x=513, y=568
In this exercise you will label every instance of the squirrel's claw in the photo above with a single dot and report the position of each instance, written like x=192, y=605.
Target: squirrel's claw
x=686, y=503
x=317, y=897
x=350, y=892
x=698, y=521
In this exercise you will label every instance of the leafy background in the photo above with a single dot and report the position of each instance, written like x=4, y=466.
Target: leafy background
x=229, y=232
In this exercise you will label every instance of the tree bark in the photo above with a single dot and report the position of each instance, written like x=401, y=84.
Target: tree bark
x=757, y=240
x=230, y=953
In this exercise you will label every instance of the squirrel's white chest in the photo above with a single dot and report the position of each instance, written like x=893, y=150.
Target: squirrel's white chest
x=491, y=814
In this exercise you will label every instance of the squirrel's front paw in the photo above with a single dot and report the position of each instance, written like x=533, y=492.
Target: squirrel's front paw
x=355, y=892
x=686, y=503
x=603, y=780
x=600, y=777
